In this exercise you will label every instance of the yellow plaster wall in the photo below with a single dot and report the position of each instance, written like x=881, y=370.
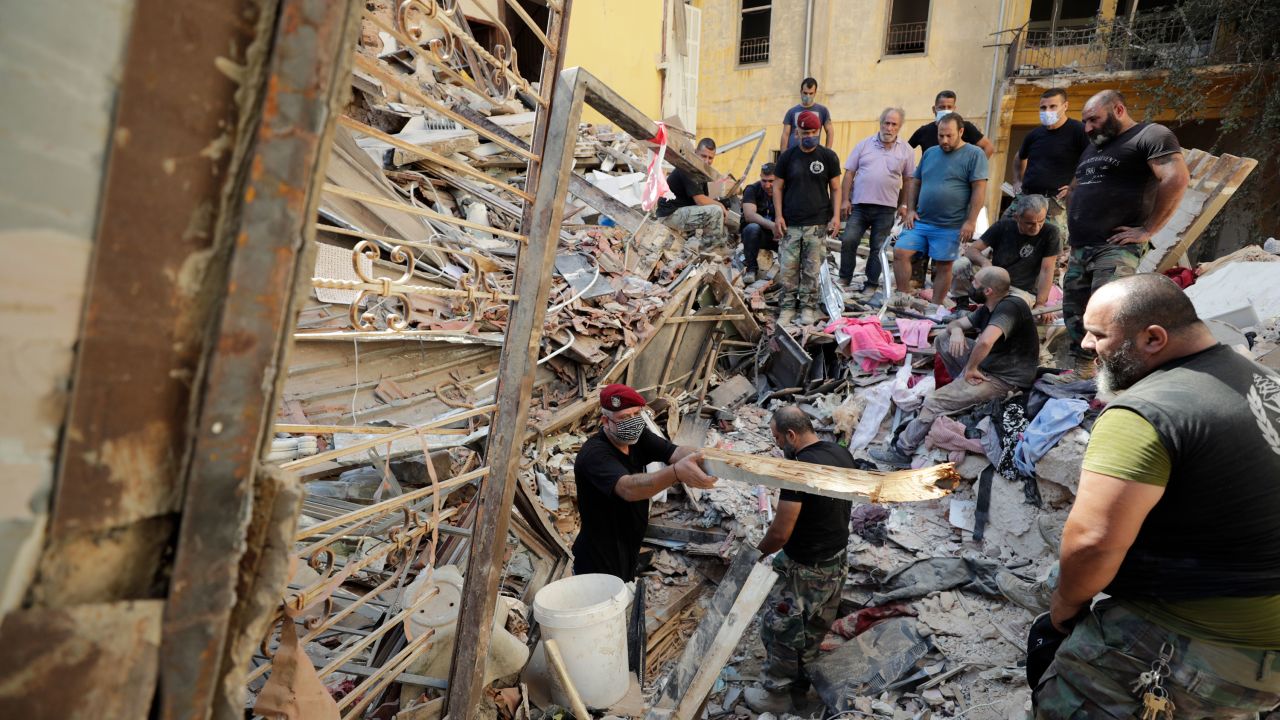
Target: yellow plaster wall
x=620, y=42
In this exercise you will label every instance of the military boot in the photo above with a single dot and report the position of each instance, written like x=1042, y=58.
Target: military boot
x=1033, y=596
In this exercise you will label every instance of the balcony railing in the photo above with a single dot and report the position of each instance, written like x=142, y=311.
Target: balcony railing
x=753, y=50
x=1109, y=46
x=906, y=38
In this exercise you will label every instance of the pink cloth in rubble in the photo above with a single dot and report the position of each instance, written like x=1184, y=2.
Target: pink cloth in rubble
x=948, y=434
x=914, y=333
x=868, y=343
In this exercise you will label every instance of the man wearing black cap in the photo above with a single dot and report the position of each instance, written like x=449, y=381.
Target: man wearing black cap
x=614, y=489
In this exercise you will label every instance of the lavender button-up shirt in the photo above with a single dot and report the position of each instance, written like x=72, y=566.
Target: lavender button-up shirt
x=879, y=170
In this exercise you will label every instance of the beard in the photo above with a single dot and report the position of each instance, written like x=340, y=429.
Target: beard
x=1110, y=128
x=886, y=138
x=1120, y=370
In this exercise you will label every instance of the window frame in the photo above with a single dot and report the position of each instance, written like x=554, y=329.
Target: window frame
x=737, y=55
x=888, y=22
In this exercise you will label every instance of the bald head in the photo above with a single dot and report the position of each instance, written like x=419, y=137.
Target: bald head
x=792, y=430
x=1139, y=301
x=994, y=278
x=1105, y=116
x=1107, y=100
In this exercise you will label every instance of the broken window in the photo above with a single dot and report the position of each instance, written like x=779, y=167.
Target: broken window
x=1062, y=22
x=908, y=30
x=753, y=39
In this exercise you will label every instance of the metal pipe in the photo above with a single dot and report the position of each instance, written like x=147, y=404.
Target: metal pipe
x=808, y=33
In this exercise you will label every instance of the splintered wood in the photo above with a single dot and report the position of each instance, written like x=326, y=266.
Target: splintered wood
x=849, y=484
x=1212, y=183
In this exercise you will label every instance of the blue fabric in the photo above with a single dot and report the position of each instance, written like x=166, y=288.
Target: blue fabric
x=946, y=183
x=941, y=243
x=1053, y=421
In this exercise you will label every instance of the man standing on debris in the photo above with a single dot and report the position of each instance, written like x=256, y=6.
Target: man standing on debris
x=1128, y=184
x=692, y=210
x=614, y=489
x=1177, y=519
x=1048, y=158
x=1024, y=245
x=951, y=184
x=871, y=192
x=808, y=103
x=1002, y=359
x=757, y=213
x=806, y=196
x=926, y=136
x=809, y=533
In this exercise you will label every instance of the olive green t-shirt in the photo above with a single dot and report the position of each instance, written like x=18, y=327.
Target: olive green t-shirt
x=1125, y=446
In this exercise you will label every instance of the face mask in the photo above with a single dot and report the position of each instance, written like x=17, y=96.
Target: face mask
x=978, y=295
x=809, y=143
x=937, y=117
x=806, y=100
x=1049, y=118
x=628, y=430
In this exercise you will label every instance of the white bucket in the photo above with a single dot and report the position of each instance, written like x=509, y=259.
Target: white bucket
x=586, y=616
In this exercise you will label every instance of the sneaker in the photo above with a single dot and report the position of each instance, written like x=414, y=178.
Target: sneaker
x=1033, y=596
x=763, y=701
x=748, y=277
x=876, y=300
x=1050, y=532
x=900, y=300
x=787, y=316
x=808, y=316
x=889, y=455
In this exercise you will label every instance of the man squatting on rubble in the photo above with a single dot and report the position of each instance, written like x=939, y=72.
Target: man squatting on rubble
x=1023, y=244
x=1127, y=185
x=692, y=210
x=943, y=199
x=810, y=534
x=871, y=193
x=758, y=214
x=1002, y=359
x=1177, y=519
x=614, y=489
x=806, y=196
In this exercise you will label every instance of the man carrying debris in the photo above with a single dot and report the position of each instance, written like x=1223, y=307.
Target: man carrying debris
x=1002, y=359
x=692, y=212
x=951, y=184
x=1128, y=184
x=1177, y=519
x=1022, y=244
x=926, y=136
x=1048, y=157
x=871, y=192
x=808, y=103
x=757, y=213
x=806, y=196
x=809, y=534
x=614, y=489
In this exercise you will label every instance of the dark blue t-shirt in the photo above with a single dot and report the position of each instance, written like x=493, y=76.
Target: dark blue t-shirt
x=790, y=119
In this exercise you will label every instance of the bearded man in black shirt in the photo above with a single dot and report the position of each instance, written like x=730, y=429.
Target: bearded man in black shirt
x=809, y=534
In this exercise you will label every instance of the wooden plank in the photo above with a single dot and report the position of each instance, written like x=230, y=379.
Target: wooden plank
x=562, y=674
x=628, y=218
x=746, y=326
x=846, y=483
x=1214, y=181
x=554, y=138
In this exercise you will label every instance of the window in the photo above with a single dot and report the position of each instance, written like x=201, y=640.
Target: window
x=908, y=30
x=753, y=39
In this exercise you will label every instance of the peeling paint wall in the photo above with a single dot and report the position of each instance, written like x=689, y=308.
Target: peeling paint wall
x=59, y=72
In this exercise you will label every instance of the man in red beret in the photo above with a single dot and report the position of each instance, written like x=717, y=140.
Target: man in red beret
x=614, y=489
x=806, y=195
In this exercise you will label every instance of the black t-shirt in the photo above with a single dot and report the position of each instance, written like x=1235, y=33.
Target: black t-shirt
x=1019, y=254
x=806, y=189
x=926, y=136
x=684, y=188
x=754, y=193
x=1114, y=185
x=612, y=528
x=1016, y=354
x=822, y=529
x=1052, y=156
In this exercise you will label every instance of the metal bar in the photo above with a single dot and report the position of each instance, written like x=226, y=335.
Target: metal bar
x=266, y=225
x=393, y=504
x=542, y=37
x=413, y=47
x=392, y=242
x=393, y=288
x=554, y=136
x=415, y=210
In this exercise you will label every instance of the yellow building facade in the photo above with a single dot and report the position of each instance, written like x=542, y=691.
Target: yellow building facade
x=620, y=42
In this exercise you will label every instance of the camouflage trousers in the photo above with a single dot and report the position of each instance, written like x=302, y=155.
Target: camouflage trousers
x=797, y=615
x=1088, y=269
x=800, y=255
x=701, y=225
x=1094, y=670
x=1057, y=215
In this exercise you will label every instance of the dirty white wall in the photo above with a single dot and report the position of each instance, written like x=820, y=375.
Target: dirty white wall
x=59, y=70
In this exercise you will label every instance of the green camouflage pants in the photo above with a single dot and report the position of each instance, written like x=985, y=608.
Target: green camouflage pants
x=800, y=255
x=1057, y=215
x=797, y=615
x=701, y=225
x=1094, y=670
x=1088, y=269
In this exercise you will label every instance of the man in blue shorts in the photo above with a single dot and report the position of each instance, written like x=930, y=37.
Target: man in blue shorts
x=940, y=209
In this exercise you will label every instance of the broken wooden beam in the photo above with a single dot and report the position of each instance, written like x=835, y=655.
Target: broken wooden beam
x=844, y=483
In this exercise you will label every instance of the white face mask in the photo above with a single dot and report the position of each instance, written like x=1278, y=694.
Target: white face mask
x=1049, y=118
x=937, y=116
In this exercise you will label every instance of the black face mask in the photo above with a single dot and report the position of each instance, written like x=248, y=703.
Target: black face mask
x=978, y=295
